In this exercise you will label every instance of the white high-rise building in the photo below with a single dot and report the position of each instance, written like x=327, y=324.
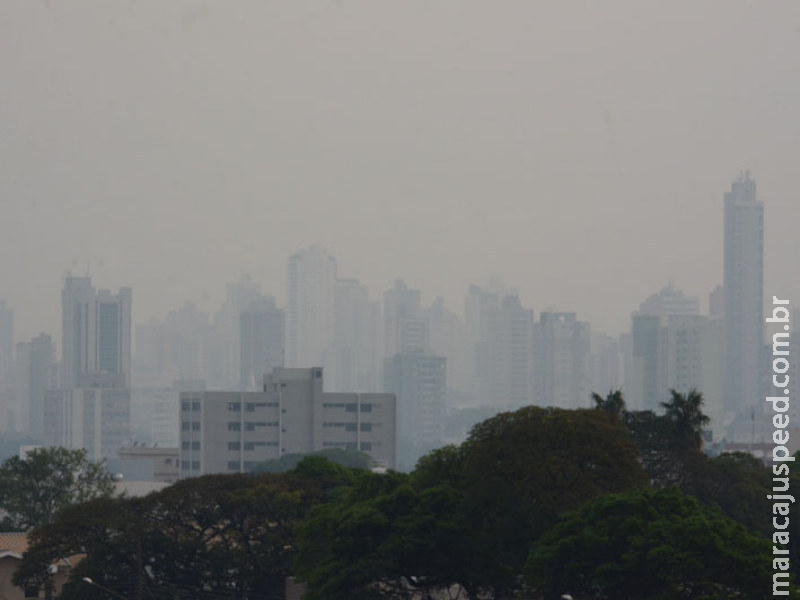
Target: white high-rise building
x=744, y=289
x=357, y=352
x=310, y=308
x=562, y=365
x=96, y=335
x=500, y=336
x=9, y=420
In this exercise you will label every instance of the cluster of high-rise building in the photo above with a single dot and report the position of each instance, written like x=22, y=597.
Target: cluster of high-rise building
x=245, y=384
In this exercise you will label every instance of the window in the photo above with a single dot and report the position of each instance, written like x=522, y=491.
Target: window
x=351, y=446
x=366, y=427
x=195, y=425
x=351, y=407
x=366, y=407
x=195, y=445
x=186, y=426
x=350, y=426
x=234, y=426
x=195, y=405
x=184, y=445
x=235, y=406
x=366, y=446
x=318, y=373
x=186, y=405
x=233, y=465
x=234, y=445
x=195, y=465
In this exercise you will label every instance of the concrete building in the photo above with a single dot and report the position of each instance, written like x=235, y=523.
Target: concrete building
x=96, y=334
x=499, y=331
x=647, y=383
x=97, y=419
x=562, y=367
x=356, y=356
x=9, y=419
x=744, y=289
x=405, y=327
x=419, y=381
x=225, y=432
x=606, y=364
x=146, y=463
x=310, y=307
x=34, y=371
x=261, y=342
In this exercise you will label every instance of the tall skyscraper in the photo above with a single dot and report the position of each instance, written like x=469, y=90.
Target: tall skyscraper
x=647, y=382
x=357, y=353
x=261, y=339
x=310, y=307
x=34, y=373
x=500, y=334
x=744, y=291
x=561, y=366
x=8, y=417
x=96, y=335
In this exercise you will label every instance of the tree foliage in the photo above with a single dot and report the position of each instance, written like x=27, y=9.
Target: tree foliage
x=649, y=544
x=230, y=536
x=35, y=489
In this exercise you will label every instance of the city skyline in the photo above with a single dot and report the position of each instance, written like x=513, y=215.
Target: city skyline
x=576, y=152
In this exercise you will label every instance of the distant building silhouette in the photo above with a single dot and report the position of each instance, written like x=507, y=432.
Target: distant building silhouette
x=96, y=334
x=744, y=290
x=261, y=342
x=562, y=367
x=310, y=307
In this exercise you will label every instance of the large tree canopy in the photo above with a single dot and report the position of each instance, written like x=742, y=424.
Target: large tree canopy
x=34, y=489
x=468, y=515
x=226, y=536
x=649, y=544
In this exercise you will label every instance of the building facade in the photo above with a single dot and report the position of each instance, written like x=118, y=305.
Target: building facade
x=744, y=290
x=231, y=432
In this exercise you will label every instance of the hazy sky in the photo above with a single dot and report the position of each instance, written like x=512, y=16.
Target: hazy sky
x=579, y=151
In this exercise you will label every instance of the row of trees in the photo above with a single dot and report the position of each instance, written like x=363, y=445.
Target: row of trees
x=597, y=503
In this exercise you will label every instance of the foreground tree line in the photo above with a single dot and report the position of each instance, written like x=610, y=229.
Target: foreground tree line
x=598, y=503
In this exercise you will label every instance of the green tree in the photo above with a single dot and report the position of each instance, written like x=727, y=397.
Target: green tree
x=33, y=490
x=614, y=402
x=227, y=536
x=649, y=544
x=685, y=413
x=467, y=515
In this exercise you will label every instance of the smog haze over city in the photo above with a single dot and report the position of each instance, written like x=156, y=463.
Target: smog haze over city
x=576, y=151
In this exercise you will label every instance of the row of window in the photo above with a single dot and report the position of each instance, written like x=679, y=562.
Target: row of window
x=190, y=426
x=365, y=446
x=349, y=406
x=350, y=426
x=193, y=405
x=249, y=445
x=187, y=445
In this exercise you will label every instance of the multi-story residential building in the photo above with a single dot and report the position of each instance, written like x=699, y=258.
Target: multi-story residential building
x=310, y=307
x=419, y=381
x=97, y=419
x=744, y=289
x=647, y=382
x=357, y=351
x=606, y=363
x=261, y=342
x=33, y=375
x=225, y=432
x=500, y=335
x=96, y=334
x=562, y=367
x=405, y=327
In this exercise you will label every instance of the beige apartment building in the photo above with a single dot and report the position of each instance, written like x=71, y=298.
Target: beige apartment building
x=231, y=432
